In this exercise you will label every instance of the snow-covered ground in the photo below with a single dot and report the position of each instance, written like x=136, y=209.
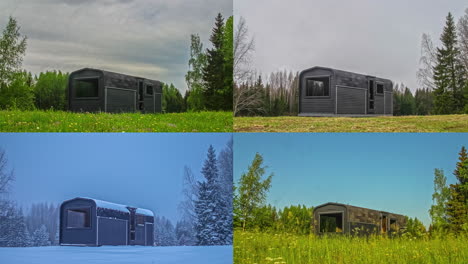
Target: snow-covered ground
x=116, y=255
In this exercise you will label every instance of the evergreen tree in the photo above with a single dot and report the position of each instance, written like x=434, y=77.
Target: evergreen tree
x=252, y=190
x=212, y=227
x=184, y=233
x=457, y=205
x=449, y=73
x=172, y=99
x=164, y=232
x=214, y=71
x=51, y=90
x=423, y=101
x=40, y=237
x=13, y=231
x=440, y=197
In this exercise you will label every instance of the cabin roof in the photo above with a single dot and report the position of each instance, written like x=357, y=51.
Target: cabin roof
x=337, y=71
x=104, y=72
x=118, y=207
x=348, y=206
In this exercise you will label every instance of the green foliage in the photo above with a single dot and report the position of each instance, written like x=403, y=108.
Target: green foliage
x=449, y=73
x=440, y=197
x=18, y=94
x=172, y=99
x=51, y=90
x=12, y=50
x=194, y=76
x=414, y=229
x=228, y=54
x=252, y=191
x=457, y=205
x=423, y=101
x=214, y=72
x=60, y=121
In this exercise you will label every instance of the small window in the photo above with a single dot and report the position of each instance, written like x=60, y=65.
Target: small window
x=78, y=218
x=319, y=86
x=149, y=90
x=140, y=219
x=86, y=88
x=380, y=88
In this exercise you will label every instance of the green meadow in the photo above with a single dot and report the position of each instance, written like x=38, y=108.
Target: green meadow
x=60, y=121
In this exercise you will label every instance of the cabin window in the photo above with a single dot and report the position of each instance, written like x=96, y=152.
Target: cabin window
x=380, y=88
x=86, y=88
x=331, y=223
x=149, y=90
x=318, y=86
x=78, y=218
x=140, y=219
x=393, y=225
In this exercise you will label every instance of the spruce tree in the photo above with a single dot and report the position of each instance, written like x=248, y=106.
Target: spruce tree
x=40, y=237
x=449, y=73
x=214, y=71
x=457, y=205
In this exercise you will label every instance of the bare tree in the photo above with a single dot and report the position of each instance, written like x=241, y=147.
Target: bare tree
x=189, y=192
x=7, y=175
x=463, y=35
x=243, y=49
x=425, y=74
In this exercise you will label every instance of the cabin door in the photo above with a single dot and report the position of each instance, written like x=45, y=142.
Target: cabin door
x=141, y=96
x=383, y=225
x=132, y=225
x=371, y=96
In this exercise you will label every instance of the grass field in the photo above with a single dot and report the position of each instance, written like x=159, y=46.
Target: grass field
x=447, y=123
x=56, y=121
x=261, y=248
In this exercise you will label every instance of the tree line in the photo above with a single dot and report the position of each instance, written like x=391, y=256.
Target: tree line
x=209, y=78
x=206, y=210
x=449, y=212
x=442, y=77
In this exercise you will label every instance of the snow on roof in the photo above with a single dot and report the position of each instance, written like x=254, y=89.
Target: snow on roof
x=119, y=207
x=144, y=212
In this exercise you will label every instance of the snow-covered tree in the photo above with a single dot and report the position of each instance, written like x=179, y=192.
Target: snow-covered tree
x=187, y=210
x=185, y=233
x=13, y=232
x=40, y=237
x=225, y=164
x=164, y=232
x=212, y=222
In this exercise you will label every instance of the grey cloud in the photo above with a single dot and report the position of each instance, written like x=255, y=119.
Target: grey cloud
x=150, y=38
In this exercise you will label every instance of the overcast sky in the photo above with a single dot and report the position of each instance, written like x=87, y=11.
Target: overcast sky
x=148, y=38
x=143, y=170
x=376, y=37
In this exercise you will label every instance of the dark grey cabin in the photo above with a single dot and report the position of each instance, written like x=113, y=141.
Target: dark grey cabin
x=92, y=90
x=332, y=218
x=329, y=92
x=91, y=222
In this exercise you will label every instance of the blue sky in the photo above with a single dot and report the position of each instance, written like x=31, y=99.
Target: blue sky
x=391, y=172
x=143, y=170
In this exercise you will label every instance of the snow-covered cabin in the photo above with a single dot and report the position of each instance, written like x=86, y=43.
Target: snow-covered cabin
x=92, y=222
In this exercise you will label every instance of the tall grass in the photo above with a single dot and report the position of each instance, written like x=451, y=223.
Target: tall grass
x=59, y=121
x=252, y=247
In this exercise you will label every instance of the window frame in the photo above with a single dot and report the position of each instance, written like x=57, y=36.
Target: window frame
x=377, y=88
x=318, y=96
x=98, y=78
x=146, y=90
x=88, y=208
x=328, y=213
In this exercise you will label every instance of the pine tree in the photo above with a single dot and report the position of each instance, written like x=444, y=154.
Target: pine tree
x=449, y=73
x=40, y=237
x=457, y=205
x=214, y=71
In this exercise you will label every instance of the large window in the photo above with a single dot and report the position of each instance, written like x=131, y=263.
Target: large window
x=318, y=86
x=78, y=218
x=331, y=223
x=86, y=88
x=140, y=220
x=380, y=88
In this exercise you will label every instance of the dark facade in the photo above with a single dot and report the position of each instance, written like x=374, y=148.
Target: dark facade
x=329, y=92
x=92, y=90
x=348, y=219
x=91, y=222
